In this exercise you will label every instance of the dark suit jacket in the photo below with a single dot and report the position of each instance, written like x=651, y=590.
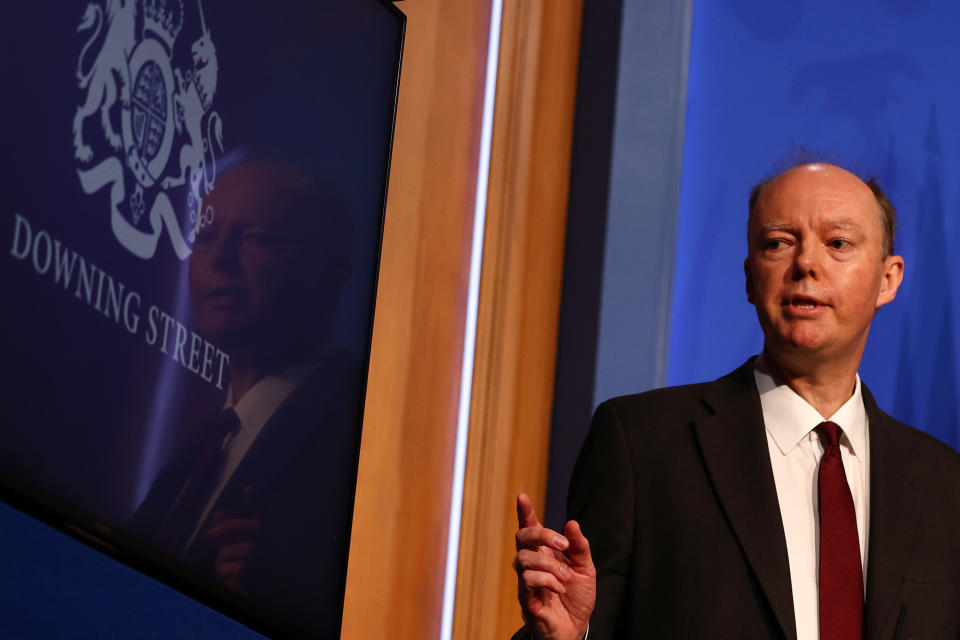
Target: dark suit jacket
x=302, y=469
x=675, y=491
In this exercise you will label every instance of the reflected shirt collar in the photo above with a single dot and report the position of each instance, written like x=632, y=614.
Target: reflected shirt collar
x=258, y=404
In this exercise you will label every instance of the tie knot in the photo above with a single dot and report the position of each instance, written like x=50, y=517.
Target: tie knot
x=226, y=424
x=829, y=433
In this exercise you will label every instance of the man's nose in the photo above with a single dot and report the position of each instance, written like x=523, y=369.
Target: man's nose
x=226, y=253
x=806, y=261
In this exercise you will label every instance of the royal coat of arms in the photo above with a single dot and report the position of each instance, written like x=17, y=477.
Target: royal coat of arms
x=127, y=73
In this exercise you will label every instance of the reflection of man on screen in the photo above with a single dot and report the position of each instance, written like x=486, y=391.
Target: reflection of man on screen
x=260, y=500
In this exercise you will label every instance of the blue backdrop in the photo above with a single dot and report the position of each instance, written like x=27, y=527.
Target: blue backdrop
x=653, y=276
x=871, y=84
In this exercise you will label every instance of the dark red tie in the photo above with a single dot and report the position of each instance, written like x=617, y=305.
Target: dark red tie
x=841, y=576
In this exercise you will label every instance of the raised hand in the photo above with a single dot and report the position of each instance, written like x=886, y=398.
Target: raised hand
x=236, y=538
x=557, y=591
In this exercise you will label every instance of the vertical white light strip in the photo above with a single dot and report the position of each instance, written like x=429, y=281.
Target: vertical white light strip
x=470, y=328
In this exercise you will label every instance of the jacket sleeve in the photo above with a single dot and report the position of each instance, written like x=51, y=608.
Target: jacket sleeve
x=602, y=500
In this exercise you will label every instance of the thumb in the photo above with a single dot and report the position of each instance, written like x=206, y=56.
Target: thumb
x=579, y=550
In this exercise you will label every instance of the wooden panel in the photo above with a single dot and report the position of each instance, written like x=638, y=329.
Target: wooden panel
x=398, y=545
x=519, y=305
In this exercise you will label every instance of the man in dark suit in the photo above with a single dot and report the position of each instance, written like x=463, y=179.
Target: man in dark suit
x=260, y=498
x=778, y=501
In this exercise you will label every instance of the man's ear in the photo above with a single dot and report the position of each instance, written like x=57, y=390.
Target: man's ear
x=890, y=280
x=749, y=280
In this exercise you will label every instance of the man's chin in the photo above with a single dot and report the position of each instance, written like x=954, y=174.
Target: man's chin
x=226, y=333
x=797, y=346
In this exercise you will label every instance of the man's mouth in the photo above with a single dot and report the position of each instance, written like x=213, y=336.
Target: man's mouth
x=225, y=295
x=804, y=303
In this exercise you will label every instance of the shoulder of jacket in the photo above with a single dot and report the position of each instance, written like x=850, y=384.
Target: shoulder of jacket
x=927, y=446
x=684, y=398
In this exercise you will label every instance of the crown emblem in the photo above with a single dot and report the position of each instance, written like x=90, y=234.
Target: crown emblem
x=163, y=19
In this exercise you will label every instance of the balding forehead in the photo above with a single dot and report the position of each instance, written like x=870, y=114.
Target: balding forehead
x=826, y=187
x=822, y=176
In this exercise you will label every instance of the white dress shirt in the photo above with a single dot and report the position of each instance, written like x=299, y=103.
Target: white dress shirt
x=253, y=410
x=795, y=452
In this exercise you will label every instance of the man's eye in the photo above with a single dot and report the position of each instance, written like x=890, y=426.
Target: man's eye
x=839, y=243
x=205, y=239
x=773, y=243
x=260, y=240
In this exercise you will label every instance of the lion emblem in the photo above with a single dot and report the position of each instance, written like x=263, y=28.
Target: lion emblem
x=110, y=65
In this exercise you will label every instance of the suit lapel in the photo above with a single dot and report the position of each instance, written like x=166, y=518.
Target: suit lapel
x=734, y=446
x=314, y=410
x=896, y=491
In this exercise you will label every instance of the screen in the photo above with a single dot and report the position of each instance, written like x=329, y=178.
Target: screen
x=191, y=212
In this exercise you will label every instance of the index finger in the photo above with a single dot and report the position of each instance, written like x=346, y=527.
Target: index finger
x=234, y=527
x=534, y=537
x=526, y=516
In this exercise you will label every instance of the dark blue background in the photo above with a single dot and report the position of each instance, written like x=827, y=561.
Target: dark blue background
x=55, y=587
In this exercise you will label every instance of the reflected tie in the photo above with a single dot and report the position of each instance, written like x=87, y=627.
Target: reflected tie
x=183, y=516
x=841, y=576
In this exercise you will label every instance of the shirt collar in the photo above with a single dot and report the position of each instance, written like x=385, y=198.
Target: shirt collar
x=789, y=418
x=258, y=404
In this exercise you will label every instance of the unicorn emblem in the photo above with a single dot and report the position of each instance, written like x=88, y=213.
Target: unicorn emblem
x=192, y=102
